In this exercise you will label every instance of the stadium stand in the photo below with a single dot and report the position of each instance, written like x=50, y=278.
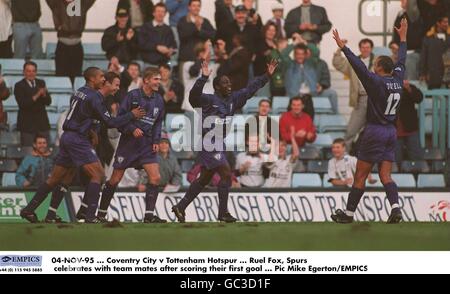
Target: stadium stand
x=430, y=181
x=9, y=179
x=303, y=180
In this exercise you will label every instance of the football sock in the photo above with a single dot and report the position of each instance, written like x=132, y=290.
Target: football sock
x=151, y=195
x=83, y=206
x=57, y=197
x=192, y=192
x=92, y=196
x=107, y=195
x=223, y=191
x=353, y=200
x=392, y=194
x=38, y=198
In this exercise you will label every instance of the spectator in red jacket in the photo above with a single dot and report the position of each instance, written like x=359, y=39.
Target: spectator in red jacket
x=305, y=131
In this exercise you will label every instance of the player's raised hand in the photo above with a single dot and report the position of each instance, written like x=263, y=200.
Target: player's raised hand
x=205, y=69
x=138, y=133
x=272, y=66
x=402, y=30
x=138, y=112
x=337, y=38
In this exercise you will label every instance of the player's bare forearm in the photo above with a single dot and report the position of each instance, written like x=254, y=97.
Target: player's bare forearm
x=338, y=183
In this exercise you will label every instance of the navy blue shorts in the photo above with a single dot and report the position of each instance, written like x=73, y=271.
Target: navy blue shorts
x=211, y=160
x=378, y=143
x=75, y=151
x=132, y=153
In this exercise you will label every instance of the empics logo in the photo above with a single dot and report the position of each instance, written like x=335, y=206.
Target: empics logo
x=21, y=260
x=440, y=211
x=11, y=204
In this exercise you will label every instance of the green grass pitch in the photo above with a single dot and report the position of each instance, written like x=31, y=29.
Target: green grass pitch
x=218, y=236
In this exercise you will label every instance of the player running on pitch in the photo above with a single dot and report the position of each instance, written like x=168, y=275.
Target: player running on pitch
x=221, y=106
x=86, y=105
x=377, y=145
x=139, y=145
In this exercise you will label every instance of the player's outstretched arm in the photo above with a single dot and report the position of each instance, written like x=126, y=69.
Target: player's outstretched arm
x=119, y=121
x=196, y=97
x=358, y=66
x=240, y=97
x=402, y=32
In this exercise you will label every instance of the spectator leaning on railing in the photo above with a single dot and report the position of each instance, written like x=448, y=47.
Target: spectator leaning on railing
x=35, y=168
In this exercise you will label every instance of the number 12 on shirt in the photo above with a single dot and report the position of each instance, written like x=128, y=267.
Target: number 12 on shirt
x=393, y=101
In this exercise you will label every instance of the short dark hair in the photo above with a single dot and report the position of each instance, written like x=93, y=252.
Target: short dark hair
x=441, y=18
x=135, y=64
x=150, y=72
x=29, y=62
x=392, y=43
x=165, y=65
x=160, y=4
x=301, y=47
x=190, y=1
x=111, y=76
x=339, y=141
x=39, y=136
x=386, y=63
x=90, y=72
x=264, y=100
x=296, y=98
x=364, y=41
x=216, y=81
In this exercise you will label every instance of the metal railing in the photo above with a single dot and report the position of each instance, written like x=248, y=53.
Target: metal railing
x=440, y=126
x=386, y=32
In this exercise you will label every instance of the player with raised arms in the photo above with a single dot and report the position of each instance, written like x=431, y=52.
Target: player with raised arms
x=217, y=109
x=378, y=141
